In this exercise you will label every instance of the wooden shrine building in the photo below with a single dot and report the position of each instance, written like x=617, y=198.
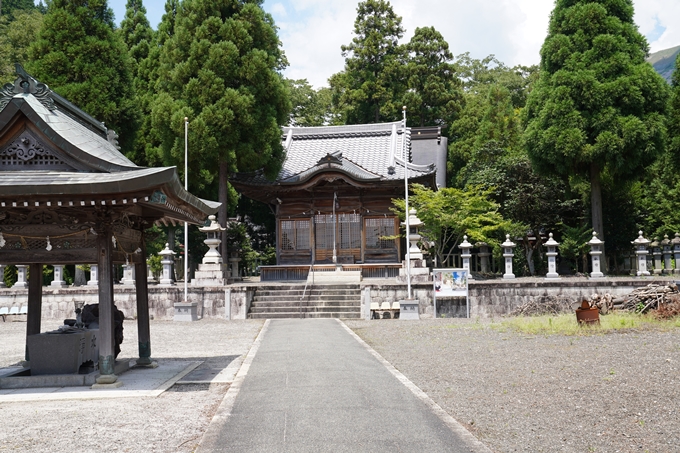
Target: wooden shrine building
x=335, y=190
x=68, y=196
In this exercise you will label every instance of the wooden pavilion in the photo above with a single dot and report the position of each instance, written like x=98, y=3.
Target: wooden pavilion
x=68, y=196
x=332, y=198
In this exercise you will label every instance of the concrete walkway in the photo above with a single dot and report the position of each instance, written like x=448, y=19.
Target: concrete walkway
x=313, y=386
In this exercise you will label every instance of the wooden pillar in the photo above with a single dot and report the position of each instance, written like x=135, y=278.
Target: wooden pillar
x=142, y=289
x=106, y=321
x=34, y=302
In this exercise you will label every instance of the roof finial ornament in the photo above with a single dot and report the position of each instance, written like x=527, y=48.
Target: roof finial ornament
x=26, y=84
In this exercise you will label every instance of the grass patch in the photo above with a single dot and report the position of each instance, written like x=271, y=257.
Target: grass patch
x=566, y=324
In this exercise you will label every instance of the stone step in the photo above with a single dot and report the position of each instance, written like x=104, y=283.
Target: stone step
x=313, y=297
x=344, y=303
x=308, y=292
x=303, y=309
x=296, y=315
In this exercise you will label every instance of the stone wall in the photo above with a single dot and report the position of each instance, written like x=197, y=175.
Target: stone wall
x=488, y=298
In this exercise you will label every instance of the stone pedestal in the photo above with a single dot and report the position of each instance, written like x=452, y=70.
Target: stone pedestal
x=21, y=276
x=150, y=278
x=186, y=311
x=408, y=309
x=209, y=275
x=58, y=281
x=128, y=274
x=234, y=267
x=93, y=276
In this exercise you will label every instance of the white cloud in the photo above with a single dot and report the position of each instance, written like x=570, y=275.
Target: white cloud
x=312, y=31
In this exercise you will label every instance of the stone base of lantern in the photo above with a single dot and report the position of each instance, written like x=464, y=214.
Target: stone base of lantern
x=186, y=311
x=552, y=276
x=209, y=275
x=596, y=275
x=419, y=273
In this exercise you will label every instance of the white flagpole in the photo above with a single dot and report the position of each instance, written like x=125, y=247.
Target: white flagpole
x=186, y=224
x=408, y=227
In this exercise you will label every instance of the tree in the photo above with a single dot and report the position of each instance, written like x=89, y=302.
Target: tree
x=674, y=117
x=310, y=107
x=219, y=66
x=8, y=8
x=139, y=39
x=370, y=88
x=434, y=93
x=448, y=214
x=78, y=54
x=598, y=108
x=16, y=37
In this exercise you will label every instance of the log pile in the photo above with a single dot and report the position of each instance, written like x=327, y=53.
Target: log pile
x=604, y=302
x=649, y=297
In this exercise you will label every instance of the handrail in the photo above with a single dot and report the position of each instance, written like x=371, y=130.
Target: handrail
x=304, y=291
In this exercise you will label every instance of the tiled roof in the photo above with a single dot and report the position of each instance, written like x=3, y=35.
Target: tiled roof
x=366, y=152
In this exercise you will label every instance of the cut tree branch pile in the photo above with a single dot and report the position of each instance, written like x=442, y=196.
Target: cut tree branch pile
x=648, y=298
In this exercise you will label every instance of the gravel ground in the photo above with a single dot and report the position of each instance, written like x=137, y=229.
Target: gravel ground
x=617, y=392
x=174, y=421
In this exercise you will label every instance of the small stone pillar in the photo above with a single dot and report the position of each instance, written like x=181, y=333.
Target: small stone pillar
x=234, y=260
x=465, y=246
x=21, y=276
x=552, y=258
x=656, y=252
x=508, y=245
x=666, y=249
x=641, y=251
x=595, y=253
x=150, y=278
x=167, y=259
x=58, y=280
x=128, y=274
x=675, y=243
x=2, y=276
x=483, y=255
x=93, y=281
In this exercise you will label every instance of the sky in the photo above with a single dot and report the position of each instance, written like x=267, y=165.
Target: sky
x=312, y=31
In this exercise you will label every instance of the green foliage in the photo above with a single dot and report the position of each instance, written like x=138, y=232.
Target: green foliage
x=598, y=106
x=310, y=107
x=450, y=213
x=16, y=36
x=674, y=114
x=494, y=96
x=138, y=37
x=219, y=66
x=10, y=275
x=78, y=54
x=434, y=94
x=370, y=88
x=12, y=8
x=574, y=245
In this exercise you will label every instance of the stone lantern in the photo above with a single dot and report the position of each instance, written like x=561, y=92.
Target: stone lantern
x=666, y=249
x=595, y=252
x=675, y=243
x=2, y=276
x=414, y=223
x=465, y=246
x=656, y=252
x=128, y=274
x=641, y=251
x=483, y=255
x=94, y=276
x=508, y=245
x=167, y=259
x=213, y=233
x=552, y=258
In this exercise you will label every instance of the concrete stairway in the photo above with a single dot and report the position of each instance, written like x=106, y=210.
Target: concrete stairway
x=320, y=301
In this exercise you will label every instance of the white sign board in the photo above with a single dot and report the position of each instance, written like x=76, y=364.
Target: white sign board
x=450, y=283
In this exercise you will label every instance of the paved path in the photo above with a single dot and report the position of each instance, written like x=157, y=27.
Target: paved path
x=313, y=387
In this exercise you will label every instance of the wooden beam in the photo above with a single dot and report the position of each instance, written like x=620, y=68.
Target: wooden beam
x=142, y=291
x=34, y=301
x=106, y=320
x=70, y=256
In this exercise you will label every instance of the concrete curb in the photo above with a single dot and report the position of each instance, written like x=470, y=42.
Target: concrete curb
x=224, y=410
x=474, y=444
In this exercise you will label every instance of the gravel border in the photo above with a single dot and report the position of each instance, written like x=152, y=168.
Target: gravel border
x=617, y=392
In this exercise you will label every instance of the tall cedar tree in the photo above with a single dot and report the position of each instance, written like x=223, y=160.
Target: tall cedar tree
x=370, y=88
x=8, y=7
x=138, y=36
x=80, y=57
x=434, y=95
x=598, y=107
x=674, y=118
x=15, y=38
x=220, y=67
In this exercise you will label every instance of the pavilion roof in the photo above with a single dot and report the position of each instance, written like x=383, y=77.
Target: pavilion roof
x=53, y=153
